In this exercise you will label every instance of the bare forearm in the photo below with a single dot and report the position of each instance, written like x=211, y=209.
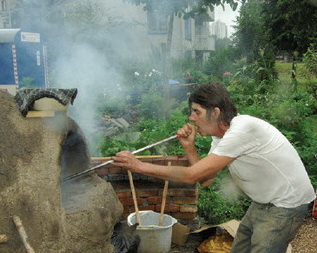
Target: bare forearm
x=173, y=173
x=202, y=171
x=192, y=155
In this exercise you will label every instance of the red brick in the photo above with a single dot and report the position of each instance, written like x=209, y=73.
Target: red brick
x=186, y=216
x=102, y=171
x=124, y=194
x=174, y=192
x=188, y=209
x=147, y=192
x=117, y=170
x=171, y=208
x=191, y=192
x=185, y=200
x=129, y=201
x=156, y=200
x=143, y=208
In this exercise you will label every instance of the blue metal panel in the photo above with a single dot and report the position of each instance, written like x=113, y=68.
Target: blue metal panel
x=27, y=60
x=6, y=64
x=30, y=58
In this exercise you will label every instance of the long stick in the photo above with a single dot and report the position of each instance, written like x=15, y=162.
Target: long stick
x=134, y=198
x=164, y=199
x=111, y=161
x=23, y=235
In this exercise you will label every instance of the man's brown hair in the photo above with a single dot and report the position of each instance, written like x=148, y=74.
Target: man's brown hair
x=210, y=96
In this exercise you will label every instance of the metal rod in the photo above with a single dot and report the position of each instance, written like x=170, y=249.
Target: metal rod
x=111, y=161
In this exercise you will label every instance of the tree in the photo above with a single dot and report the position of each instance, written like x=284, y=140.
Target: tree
x=290, y=24
x=249, y=37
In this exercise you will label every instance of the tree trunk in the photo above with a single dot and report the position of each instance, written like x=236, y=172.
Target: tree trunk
x=167, y=64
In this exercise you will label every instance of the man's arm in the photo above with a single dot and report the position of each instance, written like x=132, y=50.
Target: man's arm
x=202, y=171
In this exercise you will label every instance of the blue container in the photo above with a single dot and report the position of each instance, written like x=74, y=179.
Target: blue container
x=22, y=60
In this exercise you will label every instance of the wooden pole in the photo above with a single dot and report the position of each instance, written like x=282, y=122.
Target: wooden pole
x=134, y=198
x=164, y=199
x=18, y=223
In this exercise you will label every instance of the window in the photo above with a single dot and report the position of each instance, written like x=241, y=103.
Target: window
x=157, y=22
x=3, y=5
x=188, y=29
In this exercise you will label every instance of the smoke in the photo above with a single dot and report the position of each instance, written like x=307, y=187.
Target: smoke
x=88, y=44
x=229, y=189
x=83, y=68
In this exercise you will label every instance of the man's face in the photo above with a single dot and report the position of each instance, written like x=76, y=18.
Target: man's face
x=205, y=126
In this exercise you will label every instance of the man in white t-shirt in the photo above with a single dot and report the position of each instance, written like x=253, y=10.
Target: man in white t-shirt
x=262, y=163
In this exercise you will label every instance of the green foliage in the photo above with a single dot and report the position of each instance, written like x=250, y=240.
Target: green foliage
x=217, y=204
x=264, y=65
x=250, y=37
x=27, y=82
x=284, y=23
x=220, y=62
x=289, y=109
x=146, y=132
x=306, y=146
x=310, y=58
x=269, y=98
x=155, y=105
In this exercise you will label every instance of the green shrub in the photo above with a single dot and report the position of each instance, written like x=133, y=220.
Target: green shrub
x=310, y=58
x=155, y=105
x=222, y=201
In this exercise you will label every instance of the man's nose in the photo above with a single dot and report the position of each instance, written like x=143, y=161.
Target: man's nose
x=191, y=118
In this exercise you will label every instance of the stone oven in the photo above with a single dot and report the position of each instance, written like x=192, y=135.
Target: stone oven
x=41, y=147
x=77, y=216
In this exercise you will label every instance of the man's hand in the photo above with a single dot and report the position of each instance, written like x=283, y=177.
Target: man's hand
x=127, y=160
x=187, y=135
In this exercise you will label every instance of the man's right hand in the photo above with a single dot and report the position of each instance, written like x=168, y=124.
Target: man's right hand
x=187, y=135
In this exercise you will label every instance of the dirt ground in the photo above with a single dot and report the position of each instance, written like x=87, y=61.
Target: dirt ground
x=305, y=241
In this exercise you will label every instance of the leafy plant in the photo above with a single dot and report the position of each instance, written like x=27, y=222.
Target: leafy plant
x=217, y=204
x=27, y=82
x=310, y=58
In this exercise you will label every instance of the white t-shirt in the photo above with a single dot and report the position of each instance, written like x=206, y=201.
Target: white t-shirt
x=267, y=167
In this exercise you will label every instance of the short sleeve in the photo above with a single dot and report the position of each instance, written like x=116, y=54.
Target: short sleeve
x=239, y=139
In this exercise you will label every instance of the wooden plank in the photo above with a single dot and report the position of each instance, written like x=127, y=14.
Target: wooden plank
x=40, y=114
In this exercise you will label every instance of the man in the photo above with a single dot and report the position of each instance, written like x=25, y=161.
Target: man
x=261, y=161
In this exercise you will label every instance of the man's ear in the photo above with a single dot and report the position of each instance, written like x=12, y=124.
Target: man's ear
x=217, y=112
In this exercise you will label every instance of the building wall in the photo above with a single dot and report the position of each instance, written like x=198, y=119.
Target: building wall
x=145, y=42
x=6, y=7
x=219, y=29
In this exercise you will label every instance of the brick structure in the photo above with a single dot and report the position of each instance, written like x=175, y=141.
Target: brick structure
x=181, y=201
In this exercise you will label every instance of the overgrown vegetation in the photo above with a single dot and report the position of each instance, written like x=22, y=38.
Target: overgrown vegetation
x=292, y=111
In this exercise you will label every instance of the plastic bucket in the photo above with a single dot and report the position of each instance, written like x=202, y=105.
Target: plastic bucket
x=154, y=238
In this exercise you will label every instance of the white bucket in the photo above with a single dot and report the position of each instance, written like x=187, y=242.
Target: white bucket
x=154, y=238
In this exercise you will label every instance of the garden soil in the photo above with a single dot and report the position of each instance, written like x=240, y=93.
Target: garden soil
x=75, y=216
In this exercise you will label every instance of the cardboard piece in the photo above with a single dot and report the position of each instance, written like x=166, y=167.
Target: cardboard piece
x=180, y=234
x=230, y=226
